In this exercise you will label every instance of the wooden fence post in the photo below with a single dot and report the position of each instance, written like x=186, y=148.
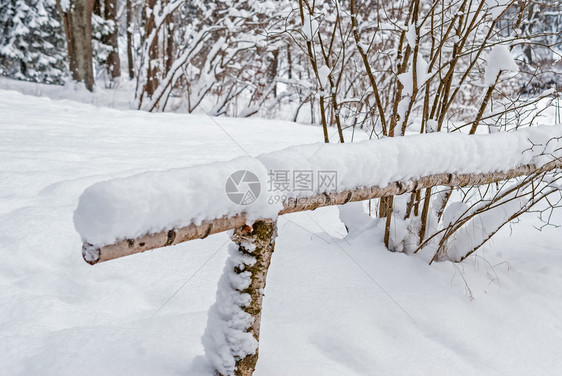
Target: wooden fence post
x=231, y=339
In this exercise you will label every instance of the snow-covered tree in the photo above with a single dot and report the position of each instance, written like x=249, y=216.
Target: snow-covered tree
x=541, y=24
x=215, y=50
x=105, y=32
x=417, y=67
x=31, y=41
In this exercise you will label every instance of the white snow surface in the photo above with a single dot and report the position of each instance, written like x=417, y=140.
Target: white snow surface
x=335, y=304
x=497, y=7
x=155, y=201
x=499, y=59
x=323, y=74
x=309, y=27
x=65, y=5
x=411, y=35
x=226, y=339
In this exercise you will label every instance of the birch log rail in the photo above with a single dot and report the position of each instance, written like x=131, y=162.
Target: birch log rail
x=147, y=203
x=147, y=242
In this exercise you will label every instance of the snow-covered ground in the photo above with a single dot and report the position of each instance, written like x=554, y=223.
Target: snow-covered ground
x=335, y=304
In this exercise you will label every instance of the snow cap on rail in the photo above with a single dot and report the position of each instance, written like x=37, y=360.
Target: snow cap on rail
x=151, y=202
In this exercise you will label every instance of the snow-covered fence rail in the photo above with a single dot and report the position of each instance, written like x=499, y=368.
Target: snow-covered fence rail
x=130, y=215
x=125, y=216
x=125, y=247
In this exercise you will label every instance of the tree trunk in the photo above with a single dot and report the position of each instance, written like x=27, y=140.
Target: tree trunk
x=152, y=71
x=97, y=8
x=170, y=45
x=130, y=39
x=113, y=62
x=77, y=21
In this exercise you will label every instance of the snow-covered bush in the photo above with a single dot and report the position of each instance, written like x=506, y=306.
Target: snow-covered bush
x=421, y=67
x=219, y=51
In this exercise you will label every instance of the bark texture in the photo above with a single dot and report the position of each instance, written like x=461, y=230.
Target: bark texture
x=77, y=21
x=113, y=62
x=153, y=54
x=257, y=241
x=130, y=63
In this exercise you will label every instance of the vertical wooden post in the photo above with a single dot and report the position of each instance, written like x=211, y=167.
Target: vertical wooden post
x=233, y=328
